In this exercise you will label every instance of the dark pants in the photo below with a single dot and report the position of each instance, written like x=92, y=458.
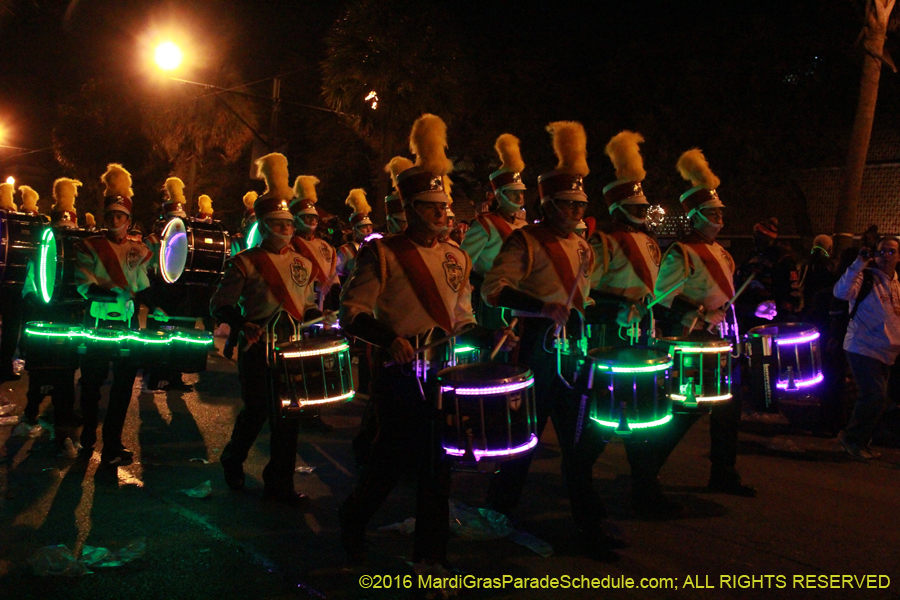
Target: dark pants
x=11, y=309
x=94, y=370
x=278, y=475
x=60, y=385
x=555, y=401
x=871, y=376
x=406, y=440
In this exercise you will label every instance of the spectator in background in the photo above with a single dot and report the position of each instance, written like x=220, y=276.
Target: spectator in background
x=873, y=339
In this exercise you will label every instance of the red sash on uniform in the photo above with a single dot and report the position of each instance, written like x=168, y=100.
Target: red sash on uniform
x=110, y=261
x=503, y=227
x=550, y=243
x=306, y=252
x=635, y=256
x=420, y=277
x=269, y=272
x=724, y=282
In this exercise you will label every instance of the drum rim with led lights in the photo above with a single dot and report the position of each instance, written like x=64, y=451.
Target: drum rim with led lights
x=608, y=361
x=202, y=265
x=700, y=345
x=784, y=335
x=474, y=382
x=308, y=351
x=53, y=242
x=173, y=228
x=55, y=334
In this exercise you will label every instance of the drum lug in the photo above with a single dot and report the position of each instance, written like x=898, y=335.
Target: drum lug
x=690, y=400
x=791, y=384
x=623, y=430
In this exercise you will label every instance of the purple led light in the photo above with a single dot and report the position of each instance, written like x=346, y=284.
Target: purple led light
x=801, y=383
x=490, y=391
x=797, y=340
x=479, y=454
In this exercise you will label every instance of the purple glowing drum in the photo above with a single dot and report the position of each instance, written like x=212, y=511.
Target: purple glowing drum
x=488, y=412
x=785, y=361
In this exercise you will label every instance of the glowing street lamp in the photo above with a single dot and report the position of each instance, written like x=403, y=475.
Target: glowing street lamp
x=168, y=56
x=11, y=180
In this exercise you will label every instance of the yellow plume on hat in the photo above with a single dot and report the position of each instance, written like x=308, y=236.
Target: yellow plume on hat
x=397, y=165
x=249, y=198
x=570, y=146
x=305, y=188
x=205, y=203
x=274, y=169
x=29, y=198
x=693, y=167
x=117, y=181
x=448, y=185
x=6, y=197
x=174, y=190
x=357, y=201
x=64, y=192
x=625, y=155
x=89, y=220
x=427, y=141
x=507, y=147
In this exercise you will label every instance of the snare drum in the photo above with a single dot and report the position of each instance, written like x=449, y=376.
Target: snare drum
x=628, y=388
x=310, y=372
x=20, y=238
x=151, y=349
x=106, y=343
x=785, y=359
x=188, y=349
x=49, y=346
x=193, y=253
x=701, y=371
x=489, y=411
x=57, y=265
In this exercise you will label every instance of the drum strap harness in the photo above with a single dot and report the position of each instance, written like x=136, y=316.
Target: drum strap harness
x=417, y=271
x=273, y=279
x=554, y=249
x=868, y=283
x=713, y=266
x=110, y=261
x=500, y=224
x=634, y=255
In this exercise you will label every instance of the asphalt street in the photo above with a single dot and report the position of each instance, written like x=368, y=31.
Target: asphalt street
x=820, y=524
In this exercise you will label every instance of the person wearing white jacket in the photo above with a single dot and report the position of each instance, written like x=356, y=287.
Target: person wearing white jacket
x=873, y=339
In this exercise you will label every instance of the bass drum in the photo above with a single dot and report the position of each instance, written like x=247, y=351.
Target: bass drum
x=193, y=253
x=20, y=238
x=55, y=277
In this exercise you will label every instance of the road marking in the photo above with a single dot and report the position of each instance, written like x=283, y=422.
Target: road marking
x=338, y=465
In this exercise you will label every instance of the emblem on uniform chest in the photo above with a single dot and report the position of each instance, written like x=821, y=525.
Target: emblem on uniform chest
x=326, y=252
x=133, y=258
x=299, y=273
x=584, y=260
x=454, y=271
x=655, y=254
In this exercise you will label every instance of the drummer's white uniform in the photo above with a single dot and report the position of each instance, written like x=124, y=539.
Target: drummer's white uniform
x=243, y=285
x=131, y=255
x=346, y=258
x=525, y=265
x=709, y=268
x=485, y=237
x=324, y=257
x=628, y=263
x=380, y=286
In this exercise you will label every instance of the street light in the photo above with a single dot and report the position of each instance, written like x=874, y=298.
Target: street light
x=168, y=56
x=11, y=180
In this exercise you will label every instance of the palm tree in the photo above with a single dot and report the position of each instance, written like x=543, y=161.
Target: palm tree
x=873, y=35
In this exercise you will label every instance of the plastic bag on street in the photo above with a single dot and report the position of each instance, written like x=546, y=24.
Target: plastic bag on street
x=478, y=523
x=18, y=366
x=201, y=491
x=25, y=430
x=104, y=558
x=406, y=527
x=303, y=470
x=56, y=560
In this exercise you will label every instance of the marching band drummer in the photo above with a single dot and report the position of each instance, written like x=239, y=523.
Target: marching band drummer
x=543, y=274
x=395, y=216
x=257, y=282
x=630, y=257
x=10, y=304
x=489, y=230
x=408, y=290
x=710, y=285
x=324, y=273
x=239, y=242
x=111, y=272
x=362, y=227
x=59, y=383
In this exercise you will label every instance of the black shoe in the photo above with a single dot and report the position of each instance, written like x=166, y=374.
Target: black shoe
x=286, y=497
x=228, y=351
x=316, y=424
x=731, y=486
x=234, y=476
x=117, y=458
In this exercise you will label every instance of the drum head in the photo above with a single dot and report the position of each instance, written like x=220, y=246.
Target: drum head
x=696, y=340
x=46, y=267
x=783, y=330
x=643, y=358
x=173, y=251
x=484, y=374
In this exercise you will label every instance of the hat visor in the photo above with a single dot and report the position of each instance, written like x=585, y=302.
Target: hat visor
x=575, y=195
x=363, y=222
x=278, y=214
x=516, y=185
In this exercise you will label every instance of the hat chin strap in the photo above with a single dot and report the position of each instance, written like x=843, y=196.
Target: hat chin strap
x=627, y=214
x=507, y=205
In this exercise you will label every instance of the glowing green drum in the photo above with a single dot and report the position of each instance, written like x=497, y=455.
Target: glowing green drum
x=151, y=349
x=701, y=374
x=109, y=343
x=188, y=349
x=49, y=346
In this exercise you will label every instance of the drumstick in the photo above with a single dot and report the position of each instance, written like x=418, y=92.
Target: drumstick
x=740, y=291
x=266, y=324
x=573, y=290
x=499, y=344
x=667, y=293
x=688, y=330
x=443, y=340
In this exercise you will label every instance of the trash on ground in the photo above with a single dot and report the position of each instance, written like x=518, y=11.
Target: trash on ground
x=25, y=430
x=407, y=527
x=18, y=366
x=782, y=445
x=201, y=491
x=222, y=331
x=7, y=409
x=199, y=460
x=304, y=470
x=56, y=560
x=9, y=420
x=103, y=558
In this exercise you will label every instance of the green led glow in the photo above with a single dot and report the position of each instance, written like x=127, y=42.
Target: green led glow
x=646, y=425
x=74, y=333
x=46, y=285
x=205, y=341
x=681, y=398
x=463, y=349
x=648, y=369
x=253, y=238
x=693, y=350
